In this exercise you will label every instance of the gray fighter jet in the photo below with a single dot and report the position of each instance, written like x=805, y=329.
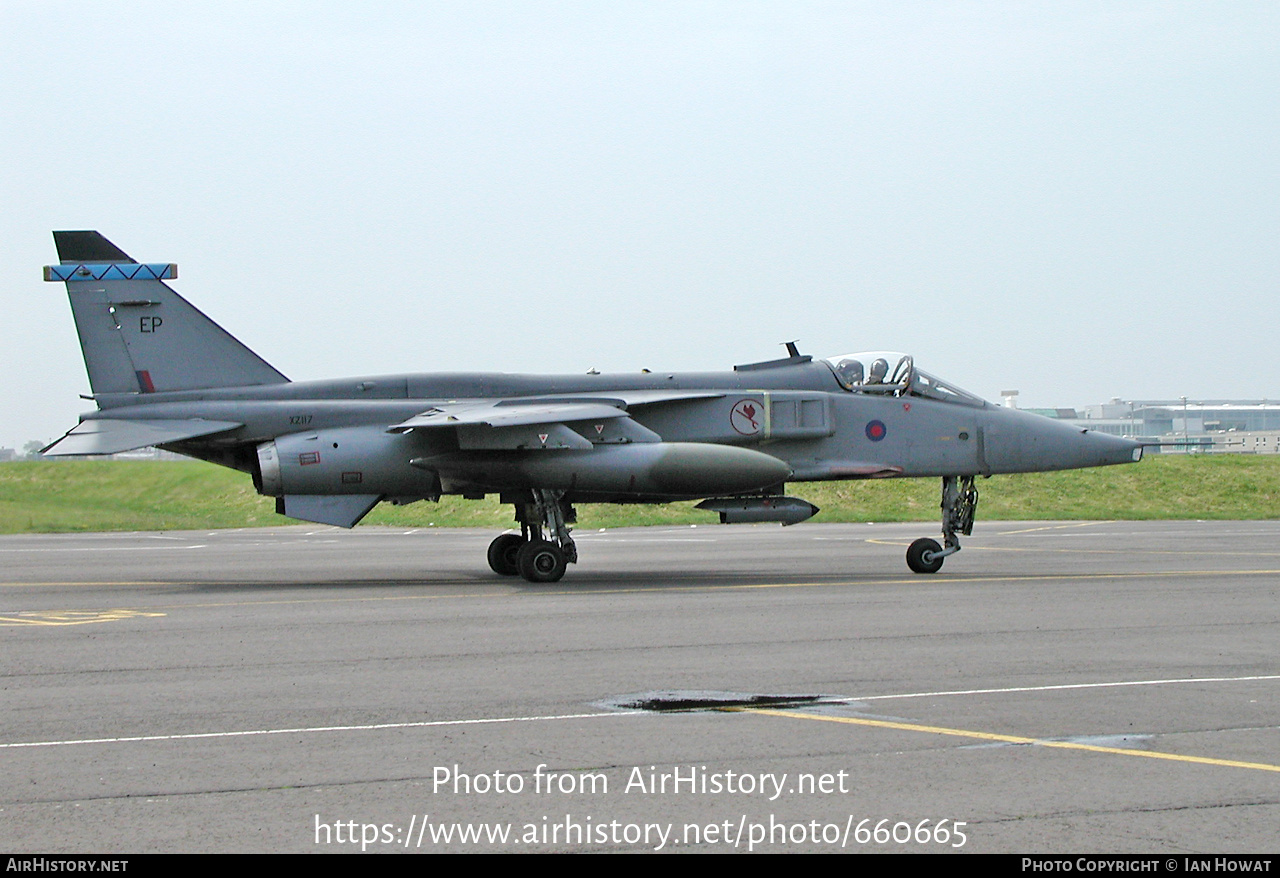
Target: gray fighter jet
x=164, y=374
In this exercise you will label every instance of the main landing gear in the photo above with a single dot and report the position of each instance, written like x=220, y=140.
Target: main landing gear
x=959, y=503
x=531, y=554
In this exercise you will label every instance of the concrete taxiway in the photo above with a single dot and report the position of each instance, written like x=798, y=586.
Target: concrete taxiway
x=1058, y=687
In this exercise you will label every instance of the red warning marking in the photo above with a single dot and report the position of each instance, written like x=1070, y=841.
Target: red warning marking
x=906, y=406
x=745, y=417
x=542, y=437
x=144, y=381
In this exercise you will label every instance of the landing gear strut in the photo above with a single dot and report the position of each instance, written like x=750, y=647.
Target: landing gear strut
x=959, y=503
x=533, y=555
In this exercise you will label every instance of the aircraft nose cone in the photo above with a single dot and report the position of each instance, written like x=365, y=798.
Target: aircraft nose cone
x=1112, y=449
x=1024, y=442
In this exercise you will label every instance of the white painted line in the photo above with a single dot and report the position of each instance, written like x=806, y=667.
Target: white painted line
x=1066, y=686
x=600, y=715
x=59, y=550
x=317, y=729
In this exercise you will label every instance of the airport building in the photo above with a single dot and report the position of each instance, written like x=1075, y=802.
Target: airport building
x=1215, y=425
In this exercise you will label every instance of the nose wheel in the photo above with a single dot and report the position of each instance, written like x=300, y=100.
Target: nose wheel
x=925, y=556
x=959, y=503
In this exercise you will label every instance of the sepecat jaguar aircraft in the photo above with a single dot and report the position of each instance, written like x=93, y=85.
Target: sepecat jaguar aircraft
x=163, y=374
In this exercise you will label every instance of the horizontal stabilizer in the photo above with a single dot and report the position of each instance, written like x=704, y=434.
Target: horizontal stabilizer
x=110, y=436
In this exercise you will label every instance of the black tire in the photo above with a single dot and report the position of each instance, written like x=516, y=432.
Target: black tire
x=503, y=553
x=916, y=556
x=541, y=561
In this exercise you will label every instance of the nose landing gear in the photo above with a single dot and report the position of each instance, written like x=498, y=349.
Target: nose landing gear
x=959, y=503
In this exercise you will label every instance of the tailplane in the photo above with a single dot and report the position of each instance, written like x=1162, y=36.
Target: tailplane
x=138, y=335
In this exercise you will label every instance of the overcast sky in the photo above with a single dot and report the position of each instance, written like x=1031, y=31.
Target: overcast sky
x=1078, y=200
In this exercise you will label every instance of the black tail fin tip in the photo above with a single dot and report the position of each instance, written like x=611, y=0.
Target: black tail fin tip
x=78, y=247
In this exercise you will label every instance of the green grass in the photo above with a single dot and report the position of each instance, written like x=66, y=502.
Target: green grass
x=68, y=496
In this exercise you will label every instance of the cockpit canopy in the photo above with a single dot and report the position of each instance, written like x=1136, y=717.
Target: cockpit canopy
x=886, y=373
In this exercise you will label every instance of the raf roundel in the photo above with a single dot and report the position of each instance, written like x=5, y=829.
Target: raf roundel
x=876, y=430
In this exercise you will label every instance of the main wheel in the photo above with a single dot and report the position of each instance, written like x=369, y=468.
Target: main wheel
x=541, y=561
x=503, y=554
x=922, y=556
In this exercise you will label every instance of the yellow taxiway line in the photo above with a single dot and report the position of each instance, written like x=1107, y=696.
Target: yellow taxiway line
x=1013, y=739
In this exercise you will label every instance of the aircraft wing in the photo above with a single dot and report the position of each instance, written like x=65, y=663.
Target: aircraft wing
x=539, y=424
x=509, y=414
x=109, y=435
x=632, y=398
x=547, y=410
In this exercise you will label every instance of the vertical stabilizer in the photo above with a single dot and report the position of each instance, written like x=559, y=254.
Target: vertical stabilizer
x=138, y=335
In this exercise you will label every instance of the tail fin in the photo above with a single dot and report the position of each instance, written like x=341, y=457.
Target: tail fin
x=139, y=336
